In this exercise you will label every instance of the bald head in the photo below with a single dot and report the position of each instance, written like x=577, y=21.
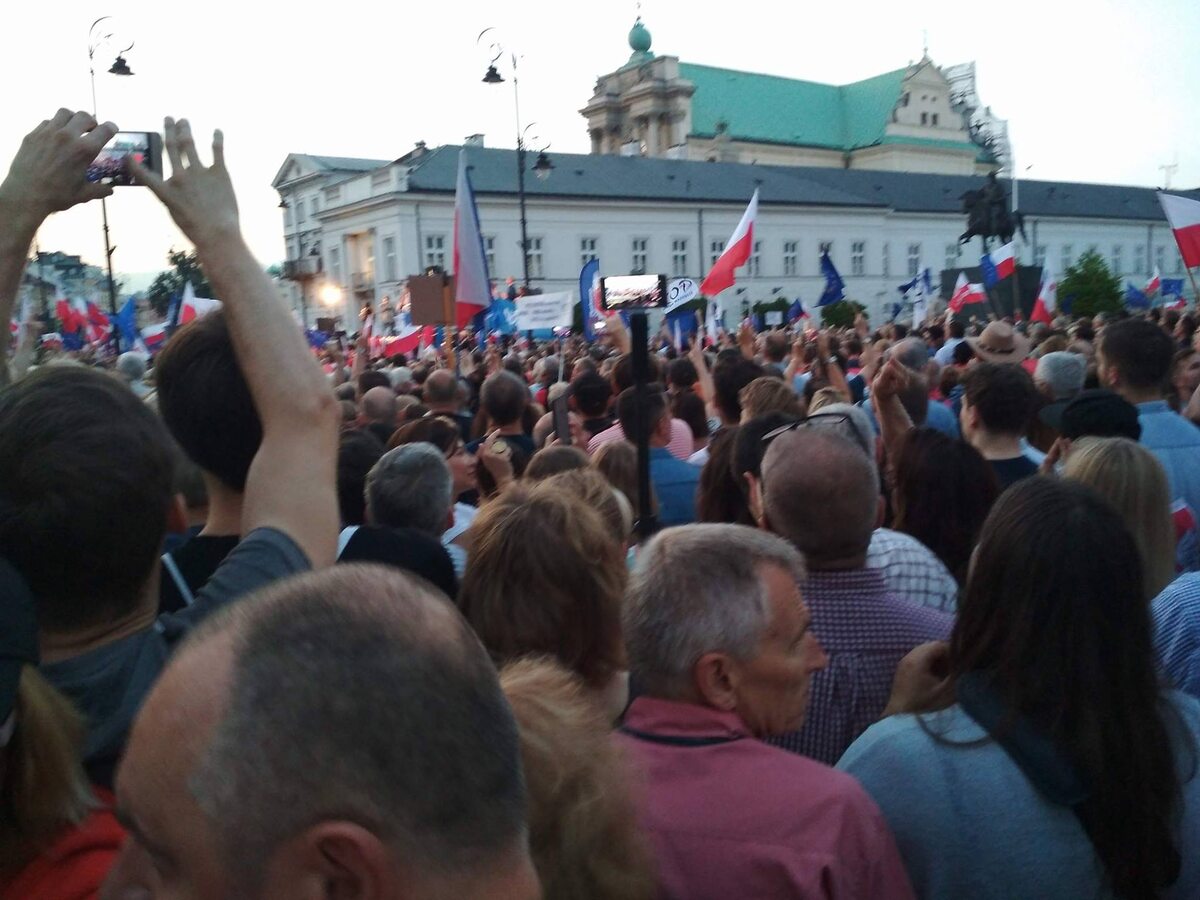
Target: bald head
x=314, y=702
x=821, y=492
x=379, y=405
x=913, y=354
x=441, y=388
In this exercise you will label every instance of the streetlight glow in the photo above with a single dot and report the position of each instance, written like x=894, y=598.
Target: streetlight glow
x=331, y=295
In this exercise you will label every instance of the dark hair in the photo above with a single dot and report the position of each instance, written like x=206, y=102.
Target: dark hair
x=653, y=404
x=719, y=496
x=748, y=448
x=899, y=331
x=591, y=391
x=205, y=401
x=681, y=373
x=775, y=346
x=958, y=328
x=358, y=451
x=437, y=430
x=552, y=460
x=622, y=373
x=942, y=491
x=962, y=354
x=87, y=482
x=373, y=379
x=504, y=397
x=1054, y=615
x=1002, y=394
x=1140, y=351
x=935, y=332
x=1187, y=325
x=690, y=408
x=729, y=377
x=1084, y=330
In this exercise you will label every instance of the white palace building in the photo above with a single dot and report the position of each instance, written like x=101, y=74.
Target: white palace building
x=874, y=171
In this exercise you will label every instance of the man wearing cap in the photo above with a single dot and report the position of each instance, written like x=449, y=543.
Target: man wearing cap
x=1093, y=413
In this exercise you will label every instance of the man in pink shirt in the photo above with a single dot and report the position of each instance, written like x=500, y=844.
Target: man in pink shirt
x=719, y=645
x=681, y=443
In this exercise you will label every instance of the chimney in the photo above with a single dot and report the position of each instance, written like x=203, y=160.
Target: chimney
x=473, y=140
x=419, y=149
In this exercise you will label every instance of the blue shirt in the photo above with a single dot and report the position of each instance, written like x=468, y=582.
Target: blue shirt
x=675, y=483
x=970, y=824
x=1176, y=443
x=1176, y=615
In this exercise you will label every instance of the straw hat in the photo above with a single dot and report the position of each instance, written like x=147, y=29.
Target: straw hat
x=999, y=343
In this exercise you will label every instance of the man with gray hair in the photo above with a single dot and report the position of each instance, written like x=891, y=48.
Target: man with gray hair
x=821, y=493
x=718, y=638
x=411, y=487
x=1060, y=375
x=287, y=751
x=131, y=366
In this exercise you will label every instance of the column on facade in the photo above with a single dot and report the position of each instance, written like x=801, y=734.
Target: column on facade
x=597, y=137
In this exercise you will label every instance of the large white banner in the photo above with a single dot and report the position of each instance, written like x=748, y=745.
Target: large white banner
x=538, y=311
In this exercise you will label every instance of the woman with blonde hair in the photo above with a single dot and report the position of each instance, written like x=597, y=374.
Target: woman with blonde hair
x=583, y=832
x=1129, y=477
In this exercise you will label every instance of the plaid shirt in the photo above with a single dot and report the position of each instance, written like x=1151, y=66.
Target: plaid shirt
x=865, y=630
x=912, y=571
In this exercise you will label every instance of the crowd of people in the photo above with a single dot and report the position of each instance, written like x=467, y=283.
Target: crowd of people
x=922, y=618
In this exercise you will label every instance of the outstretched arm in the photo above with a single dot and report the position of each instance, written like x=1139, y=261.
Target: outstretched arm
x=48, y=174
x=291, y=483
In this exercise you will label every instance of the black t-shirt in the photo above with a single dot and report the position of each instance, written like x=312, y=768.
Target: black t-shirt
x=195, y=562
x=404, y=548
x=1012, y=470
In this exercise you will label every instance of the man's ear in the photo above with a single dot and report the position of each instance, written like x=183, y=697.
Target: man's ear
x=336, y=861
x=716, y=681
x=754, y=498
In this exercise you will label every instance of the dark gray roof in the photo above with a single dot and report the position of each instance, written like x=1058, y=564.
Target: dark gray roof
x=607, y=177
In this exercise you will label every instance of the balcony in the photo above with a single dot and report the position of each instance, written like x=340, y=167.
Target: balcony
x=362, y=282
x=302, y=269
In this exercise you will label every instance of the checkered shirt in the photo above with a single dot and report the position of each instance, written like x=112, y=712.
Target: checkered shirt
x=912, y=570
x=865, y=630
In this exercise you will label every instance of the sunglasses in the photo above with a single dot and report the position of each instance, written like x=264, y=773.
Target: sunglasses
x=815, y=420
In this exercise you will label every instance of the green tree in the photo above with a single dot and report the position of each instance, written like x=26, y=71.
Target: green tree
x=185, y=267
x=841, y=314
x=1088, y=287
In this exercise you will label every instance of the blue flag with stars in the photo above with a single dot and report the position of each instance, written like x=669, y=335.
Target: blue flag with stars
x=834, y=286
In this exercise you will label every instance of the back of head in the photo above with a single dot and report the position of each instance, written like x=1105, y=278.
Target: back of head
x=591, y=392
x=545, y=575
x=695, y=590
x=132, y=365
x=87, y=482
x=205, y=401
x=652, y=404
x=379, y=405
x=721, y=493
x=821, y=493
x=681, y=374
x=748, y=446
x=1133, y=481
x=767, y=395
x=372, y=379
x=775, y=347
x=1139, y=352
x=1002, y=394
x=689, y=408
x=942, y=492
x=358, y=451
x=504, y=397
x=436, y=430
x=411, y=487
x=440, y=388
x=583, y=832
x=1061, y=373
x=730, y=375
x=1055, y=597
x=617, y=462
x=595, y=491
x=551, y=461
x=349, y=735
x=857, y=425
x=958, y=329
x=912, y=353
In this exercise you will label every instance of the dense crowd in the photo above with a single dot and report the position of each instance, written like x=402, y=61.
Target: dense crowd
x=923, y=618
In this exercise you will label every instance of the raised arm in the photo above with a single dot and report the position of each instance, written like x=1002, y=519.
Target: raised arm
x=48, y=174
x=291, y=483
x=893, y=419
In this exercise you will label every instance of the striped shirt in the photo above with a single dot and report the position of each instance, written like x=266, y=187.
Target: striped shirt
x=1176, y=618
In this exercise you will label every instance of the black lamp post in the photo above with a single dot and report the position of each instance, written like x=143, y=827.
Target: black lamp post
x=96, y=39
x=542, y=166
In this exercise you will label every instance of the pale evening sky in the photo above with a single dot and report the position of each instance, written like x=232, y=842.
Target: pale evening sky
x=1105, y=95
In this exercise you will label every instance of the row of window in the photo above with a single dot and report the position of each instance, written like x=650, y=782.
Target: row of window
x=436, y=251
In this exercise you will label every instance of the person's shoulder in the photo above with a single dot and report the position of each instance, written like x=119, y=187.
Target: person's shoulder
x=905, y=743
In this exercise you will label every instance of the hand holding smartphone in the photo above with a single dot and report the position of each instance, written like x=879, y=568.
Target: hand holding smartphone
x=110, y=166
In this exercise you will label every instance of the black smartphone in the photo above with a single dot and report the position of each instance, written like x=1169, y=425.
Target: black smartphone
x=562, y=420
x=109, y=166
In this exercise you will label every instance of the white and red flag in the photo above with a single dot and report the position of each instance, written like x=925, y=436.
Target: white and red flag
x=1046, y=304
x=1154, y=284
x=472, y=285
x=192, y=307
x=1183, y=214
x=736, y=252
x=966, y=293
x=1005, y=260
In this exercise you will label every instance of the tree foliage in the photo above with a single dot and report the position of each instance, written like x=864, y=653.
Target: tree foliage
x=1088, y=287
x=841, y=314
x=185, y=267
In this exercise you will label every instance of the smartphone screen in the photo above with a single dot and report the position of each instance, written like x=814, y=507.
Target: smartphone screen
x=562, y=421
x=109, y=166
x=633, y=291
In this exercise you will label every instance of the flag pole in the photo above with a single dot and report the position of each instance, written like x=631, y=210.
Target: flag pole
x=1195, y=293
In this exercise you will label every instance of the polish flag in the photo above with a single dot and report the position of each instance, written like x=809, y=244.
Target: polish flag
x=1005, y=260
x=1183, y=215
x=52, y=341
x=154, y=336
x=472, y=285
x=99, y=327
x=736, y=252
x=1047, y=299
x=72, y=314
x=193, y=307
x=966, y=293
x=1154, y=284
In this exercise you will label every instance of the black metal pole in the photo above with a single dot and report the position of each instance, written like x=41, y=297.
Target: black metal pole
x=647, y=522
x=108, y=250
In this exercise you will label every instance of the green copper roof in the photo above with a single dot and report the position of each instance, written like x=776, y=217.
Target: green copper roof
x=775, y=110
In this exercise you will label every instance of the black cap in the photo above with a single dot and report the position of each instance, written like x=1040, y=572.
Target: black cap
x=1094, y=413
x=18, y=635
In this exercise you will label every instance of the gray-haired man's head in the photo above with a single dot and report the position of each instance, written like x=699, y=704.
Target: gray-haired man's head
x=1061, y=374
x=411, y=487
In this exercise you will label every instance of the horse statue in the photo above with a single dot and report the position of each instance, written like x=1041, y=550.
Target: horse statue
x=988, y=215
